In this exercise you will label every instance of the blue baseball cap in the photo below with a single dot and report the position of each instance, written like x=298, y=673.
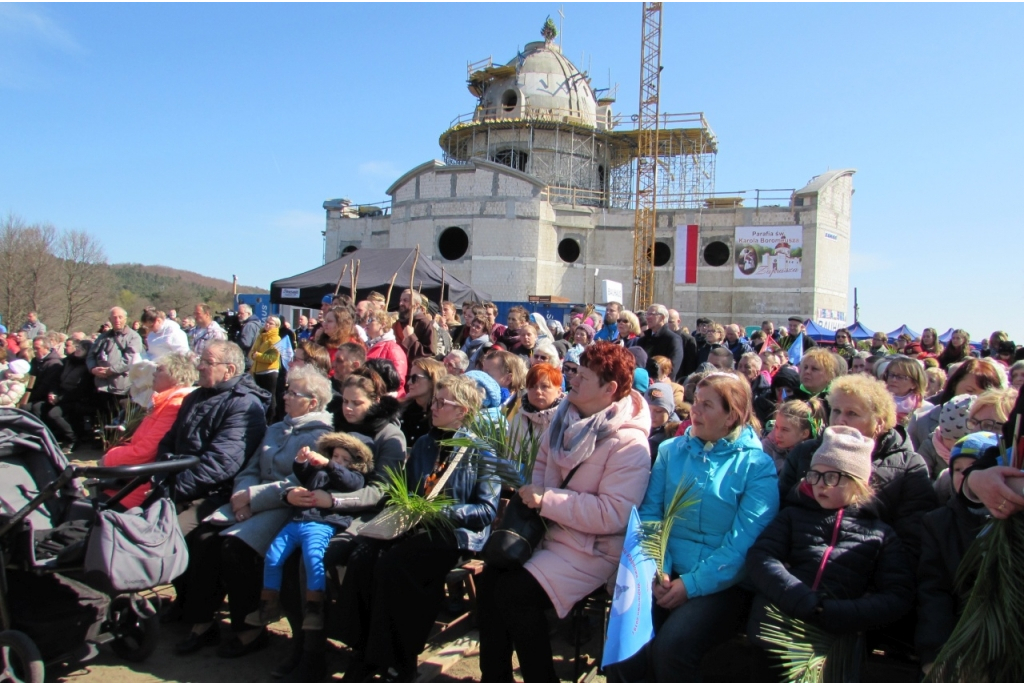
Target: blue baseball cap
x=327, y=299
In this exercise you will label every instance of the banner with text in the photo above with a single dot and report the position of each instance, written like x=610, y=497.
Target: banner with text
x=769, y=251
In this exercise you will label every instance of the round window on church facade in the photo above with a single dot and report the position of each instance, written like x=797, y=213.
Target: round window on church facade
x=716, y=253
x=453, y=243
x=568, y=250
x=509, y=100
x=662, y=253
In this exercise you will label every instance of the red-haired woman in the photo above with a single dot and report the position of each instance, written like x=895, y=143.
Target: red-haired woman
x=533, y=412
x=699, y=599
x=338, y=328
x=601, y=428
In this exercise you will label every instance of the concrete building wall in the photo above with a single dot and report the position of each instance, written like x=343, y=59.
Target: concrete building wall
x=514, y=234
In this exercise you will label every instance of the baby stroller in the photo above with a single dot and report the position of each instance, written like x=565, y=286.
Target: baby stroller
x=71, y=567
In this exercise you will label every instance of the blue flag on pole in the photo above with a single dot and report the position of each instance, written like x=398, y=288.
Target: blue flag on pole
x=631, y=620
x=796, y=350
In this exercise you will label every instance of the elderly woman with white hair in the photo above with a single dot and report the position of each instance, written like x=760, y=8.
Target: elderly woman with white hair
x=173, y=380
x=266, y=360
x=227, y=550
x=545, y=353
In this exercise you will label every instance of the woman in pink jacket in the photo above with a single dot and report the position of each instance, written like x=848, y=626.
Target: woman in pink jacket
x=382, y=345
x=602, y=429
x=175, y=375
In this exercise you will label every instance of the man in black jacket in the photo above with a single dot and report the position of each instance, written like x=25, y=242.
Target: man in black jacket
x=223, y=423
x=659, y=338
x=689, y=346
x=249, y=331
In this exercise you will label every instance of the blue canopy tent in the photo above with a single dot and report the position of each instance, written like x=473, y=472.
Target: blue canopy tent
x=859, y=331
x=944, y=338
x=900, y=331
x=819, y=334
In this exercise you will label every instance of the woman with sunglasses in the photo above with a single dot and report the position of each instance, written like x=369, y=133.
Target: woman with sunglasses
x=393, y=589
x=545, y=353
x=629, y=329
x=424, y=373
x=899, y=475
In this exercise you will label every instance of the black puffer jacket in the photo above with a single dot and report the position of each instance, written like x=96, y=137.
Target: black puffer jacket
x=47, y=372
x=946, y=533
x=223, y=426
x=903, y=489
x=867, y=581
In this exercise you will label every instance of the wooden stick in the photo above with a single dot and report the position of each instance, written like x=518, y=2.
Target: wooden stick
x=355, y=286
x=412, y=281
x=387, y=301
x=1018, y=462
x=337, y=288
x=352, y=281
x=440, y=301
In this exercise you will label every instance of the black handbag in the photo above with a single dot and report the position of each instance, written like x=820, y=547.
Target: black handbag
x=513, y=541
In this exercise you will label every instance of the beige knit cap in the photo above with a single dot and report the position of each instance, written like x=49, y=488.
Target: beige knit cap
x=845, y=449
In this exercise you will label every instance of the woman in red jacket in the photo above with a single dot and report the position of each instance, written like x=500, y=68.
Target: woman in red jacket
x=382, y=345
x=175, y=375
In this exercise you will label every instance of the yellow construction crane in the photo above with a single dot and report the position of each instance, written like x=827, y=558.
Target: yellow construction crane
x=646, y=198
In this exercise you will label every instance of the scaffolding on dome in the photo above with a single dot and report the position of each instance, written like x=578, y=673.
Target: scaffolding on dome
x=589, y=166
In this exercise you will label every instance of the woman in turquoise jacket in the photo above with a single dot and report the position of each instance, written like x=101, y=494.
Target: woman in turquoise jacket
x=698, y=603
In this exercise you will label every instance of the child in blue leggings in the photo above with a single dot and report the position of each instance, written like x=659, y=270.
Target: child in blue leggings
x=312, y=528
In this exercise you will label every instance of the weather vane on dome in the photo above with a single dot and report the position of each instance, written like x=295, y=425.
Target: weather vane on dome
x=549, y=31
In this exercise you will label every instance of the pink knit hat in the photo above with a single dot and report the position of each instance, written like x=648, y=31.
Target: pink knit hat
x=845, y=449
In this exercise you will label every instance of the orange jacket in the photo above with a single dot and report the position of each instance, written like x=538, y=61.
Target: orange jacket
x=141, y=449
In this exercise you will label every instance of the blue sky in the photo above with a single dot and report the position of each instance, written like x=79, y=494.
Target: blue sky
x=207, y=137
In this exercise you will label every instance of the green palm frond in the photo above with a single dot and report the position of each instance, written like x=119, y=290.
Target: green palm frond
x=407, y=504
x=656, y=534
x=509, y=453
x=987, y=644
x=808, y=653
x=115, y=432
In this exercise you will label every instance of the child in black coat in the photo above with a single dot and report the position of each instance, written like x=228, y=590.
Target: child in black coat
x=828, y=560
x=946, y=533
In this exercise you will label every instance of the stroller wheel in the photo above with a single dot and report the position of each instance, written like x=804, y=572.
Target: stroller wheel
x=19, y=658
x=135, y=626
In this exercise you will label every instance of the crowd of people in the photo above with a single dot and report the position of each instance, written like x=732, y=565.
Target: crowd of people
x=839, y=485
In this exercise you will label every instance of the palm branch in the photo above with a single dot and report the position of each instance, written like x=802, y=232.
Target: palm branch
x=498, y=450
x=119, y=427
x=656, y=534
x=987, y=644
x=404, y=503
x=808, y=653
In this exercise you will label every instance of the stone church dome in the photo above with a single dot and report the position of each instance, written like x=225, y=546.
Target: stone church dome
x=539, y=83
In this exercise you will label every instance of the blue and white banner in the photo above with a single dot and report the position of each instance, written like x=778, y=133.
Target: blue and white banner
x=631, y=621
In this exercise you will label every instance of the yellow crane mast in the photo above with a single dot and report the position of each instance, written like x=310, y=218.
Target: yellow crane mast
x=646, y=198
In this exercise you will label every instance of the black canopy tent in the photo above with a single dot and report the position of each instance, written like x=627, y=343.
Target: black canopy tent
x=376, y=267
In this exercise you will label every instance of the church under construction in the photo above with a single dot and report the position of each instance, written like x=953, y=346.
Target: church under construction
x=534, y=195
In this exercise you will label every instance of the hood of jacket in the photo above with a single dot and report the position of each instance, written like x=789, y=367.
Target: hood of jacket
x=314, y=420
x=490, y=387
x=745, y=439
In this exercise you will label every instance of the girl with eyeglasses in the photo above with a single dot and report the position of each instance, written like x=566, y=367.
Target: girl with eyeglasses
x=827, y=559
x=904, y=491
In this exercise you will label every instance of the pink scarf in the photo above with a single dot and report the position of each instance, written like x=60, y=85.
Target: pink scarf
x=940, y=446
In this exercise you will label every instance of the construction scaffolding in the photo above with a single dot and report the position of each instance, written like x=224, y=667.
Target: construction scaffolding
x=645, y=222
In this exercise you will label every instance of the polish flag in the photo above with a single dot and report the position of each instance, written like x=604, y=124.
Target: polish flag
x=686, y=254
